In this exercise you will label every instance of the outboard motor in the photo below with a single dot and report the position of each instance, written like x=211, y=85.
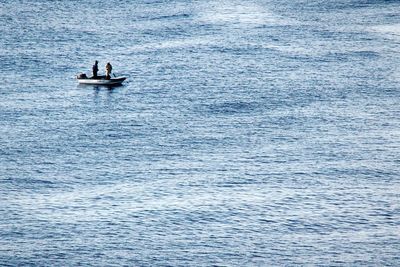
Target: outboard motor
x=81, y=76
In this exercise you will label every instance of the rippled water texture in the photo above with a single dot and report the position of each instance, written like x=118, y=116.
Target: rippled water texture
x=248, y=133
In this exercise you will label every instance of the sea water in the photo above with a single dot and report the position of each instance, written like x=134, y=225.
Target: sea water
x=248, y=133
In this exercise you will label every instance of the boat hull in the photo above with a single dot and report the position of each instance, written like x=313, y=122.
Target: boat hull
x=101, y=81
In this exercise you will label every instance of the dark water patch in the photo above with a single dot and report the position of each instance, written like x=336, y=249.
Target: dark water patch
x=30, y=183
x=231, y=108
x=172, y=17
x=352, y=57
x=331, y=6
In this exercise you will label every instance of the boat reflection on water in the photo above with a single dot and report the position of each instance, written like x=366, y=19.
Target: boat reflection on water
x=100, y=86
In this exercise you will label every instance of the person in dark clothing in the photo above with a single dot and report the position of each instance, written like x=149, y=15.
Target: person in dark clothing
x=95, y=69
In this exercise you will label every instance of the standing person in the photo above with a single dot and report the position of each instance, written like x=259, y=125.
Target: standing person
x=108, y=70
x=95, y=69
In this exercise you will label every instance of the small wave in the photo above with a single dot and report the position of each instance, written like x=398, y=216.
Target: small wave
x=30, y=183
x=171, y=17
x=232, y=107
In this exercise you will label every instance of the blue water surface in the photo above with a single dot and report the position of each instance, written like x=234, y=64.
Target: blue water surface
x=248, y=133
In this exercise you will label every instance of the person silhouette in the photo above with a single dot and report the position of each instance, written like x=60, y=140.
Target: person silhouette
x=108, y=71
x=95, y=69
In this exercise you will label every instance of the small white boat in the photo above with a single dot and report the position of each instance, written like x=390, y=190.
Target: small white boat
x=99, y=80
